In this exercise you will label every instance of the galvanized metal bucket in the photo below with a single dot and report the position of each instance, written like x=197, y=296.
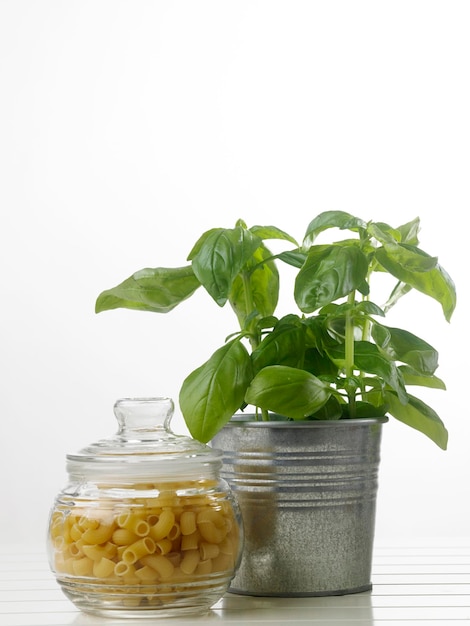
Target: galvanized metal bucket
x=307, y=493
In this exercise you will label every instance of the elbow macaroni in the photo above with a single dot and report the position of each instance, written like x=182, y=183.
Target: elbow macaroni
x=160, y=541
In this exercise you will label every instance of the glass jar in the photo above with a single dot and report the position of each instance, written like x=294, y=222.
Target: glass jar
x=145, y=527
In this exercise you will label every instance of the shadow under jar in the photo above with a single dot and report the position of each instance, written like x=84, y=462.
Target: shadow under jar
x=145, y=527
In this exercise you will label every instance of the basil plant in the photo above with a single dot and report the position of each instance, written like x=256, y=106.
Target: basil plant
x=334, y=358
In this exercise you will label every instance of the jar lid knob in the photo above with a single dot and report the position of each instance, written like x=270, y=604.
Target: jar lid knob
x=144, y=414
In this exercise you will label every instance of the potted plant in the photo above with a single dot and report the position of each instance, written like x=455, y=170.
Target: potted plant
x=297, y=403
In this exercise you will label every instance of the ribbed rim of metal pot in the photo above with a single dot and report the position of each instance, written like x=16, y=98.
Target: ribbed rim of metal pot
x=248, y=422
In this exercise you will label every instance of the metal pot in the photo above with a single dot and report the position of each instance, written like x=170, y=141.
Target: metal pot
x=307, y=493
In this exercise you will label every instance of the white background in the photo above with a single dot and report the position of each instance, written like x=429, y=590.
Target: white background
x=129, y=128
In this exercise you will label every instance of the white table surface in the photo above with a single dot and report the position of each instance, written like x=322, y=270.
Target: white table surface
x=413, y=585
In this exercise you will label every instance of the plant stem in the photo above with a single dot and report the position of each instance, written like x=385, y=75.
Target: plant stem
x=349, y=356
x=367, y=325
x=253, y=334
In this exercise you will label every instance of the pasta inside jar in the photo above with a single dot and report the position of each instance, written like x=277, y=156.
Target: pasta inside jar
x=173, y=541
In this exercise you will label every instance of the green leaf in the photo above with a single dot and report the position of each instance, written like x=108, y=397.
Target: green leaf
x=331, y=410
x=262, y=282
x=368, y=358
x=369, y=308
x=420, y=416
x=218, y=257
x=329, y=273
x=284, y=345
x=365, y=409
x=317, y=362
x=412, y=377
x=289, y=391
x=158, y=290
x=400, y=290
x=401, y=345
x=331, y=219
x=318, y=334
x=296, y=258
x=385, y=234
x=403, y=263
x=213, y=392
x=272, y=232
x=411, y=258
x=409, y=232
x=266, y=322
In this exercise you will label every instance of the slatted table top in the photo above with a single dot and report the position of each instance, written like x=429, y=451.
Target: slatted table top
x=420, y=584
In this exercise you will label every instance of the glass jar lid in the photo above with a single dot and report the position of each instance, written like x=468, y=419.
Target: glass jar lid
x=144, y=445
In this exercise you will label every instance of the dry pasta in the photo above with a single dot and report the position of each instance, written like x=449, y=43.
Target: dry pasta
x=161, y=543
x=103, y=568
x=123, y=537
x=190, y=560
x=146, y=574
x=208, y=550
x=82, y=566
x=204, y=568
x=98, y=535
x=191, y=542
x=138, y=549
x=134, y=523
x=96, y=553
x=163, y=566
x=188, y=522
x=211, y=525
x=164, y=546
x=164, y=525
